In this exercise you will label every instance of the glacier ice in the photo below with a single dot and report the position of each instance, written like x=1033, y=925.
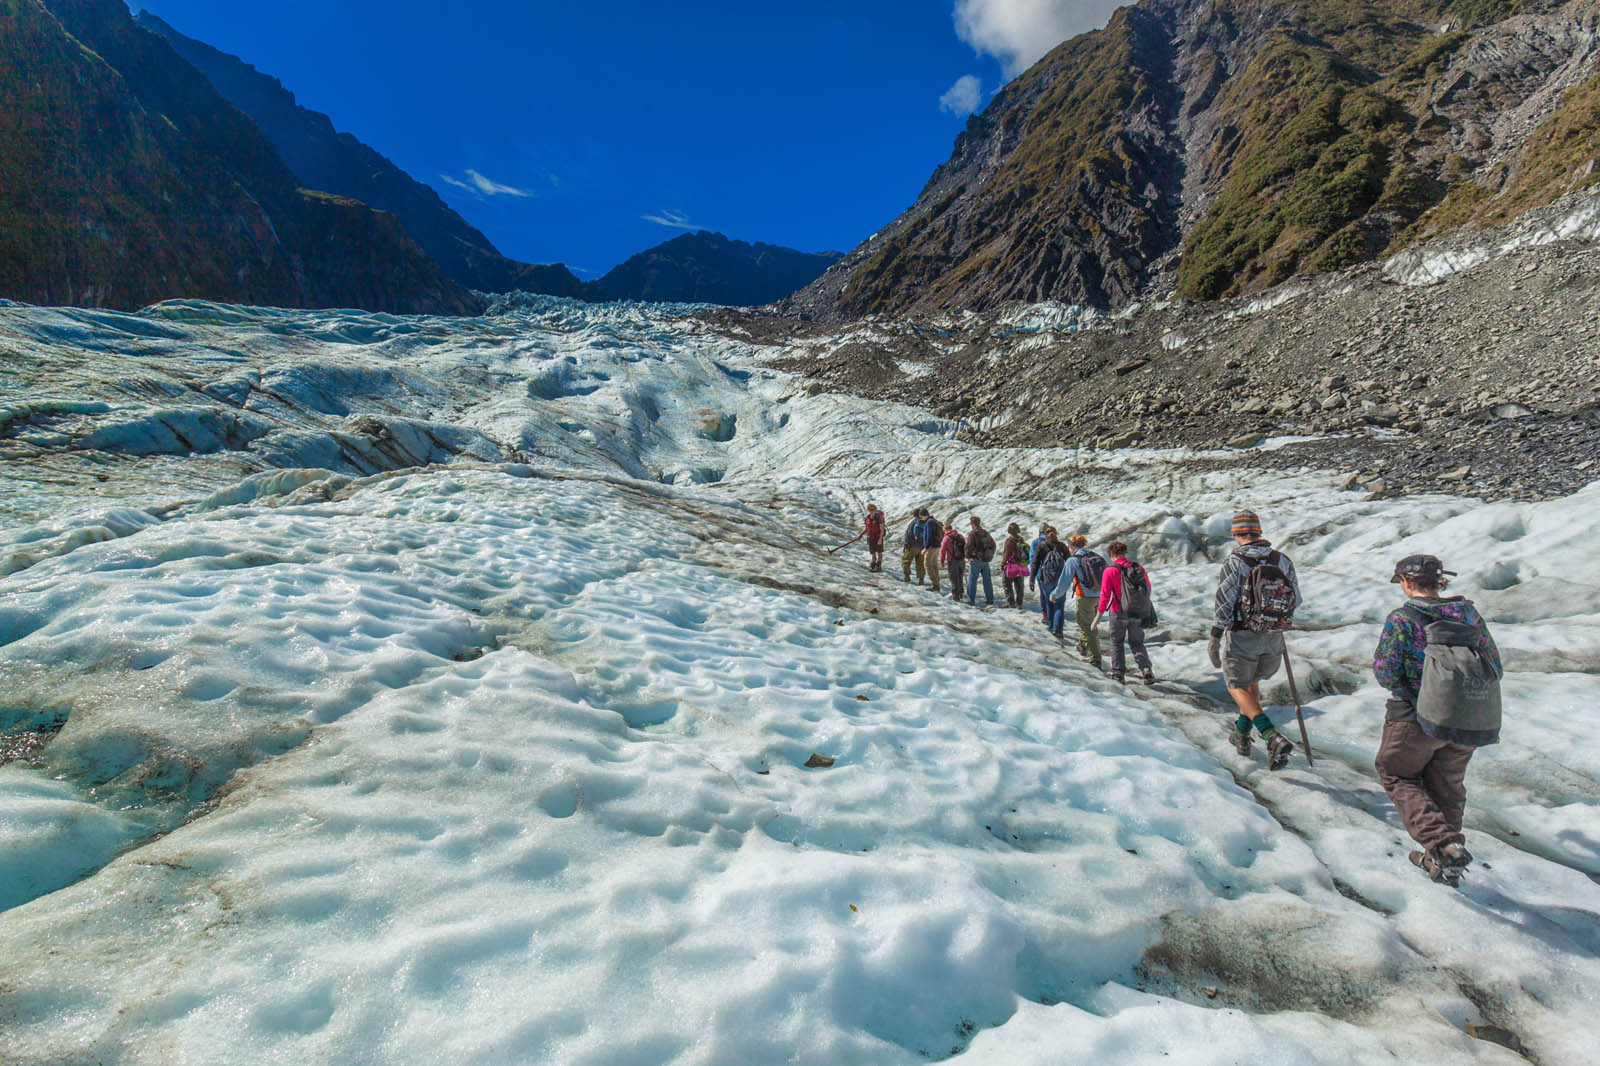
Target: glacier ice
x=458, y=708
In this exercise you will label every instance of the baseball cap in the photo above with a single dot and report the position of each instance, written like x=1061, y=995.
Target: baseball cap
x=1415, y=566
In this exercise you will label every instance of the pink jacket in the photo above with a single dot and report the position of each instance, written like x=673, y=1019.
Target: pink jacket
x=1111, y=587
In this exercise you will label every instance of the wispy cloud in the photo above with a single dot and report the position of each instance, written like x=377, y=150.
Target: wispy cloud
x=479, y=185
x=962, y=98
x=1020, y=32
x=672, y=220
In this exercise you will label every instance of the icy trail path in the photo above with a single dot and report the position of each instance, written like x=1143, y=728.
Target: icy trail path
x=505, y=761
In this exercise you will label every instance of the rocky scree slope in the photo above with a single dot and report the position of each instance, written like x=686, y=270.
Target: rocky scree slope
x=1467, y=364
x=127, y=180
x=1218, y=148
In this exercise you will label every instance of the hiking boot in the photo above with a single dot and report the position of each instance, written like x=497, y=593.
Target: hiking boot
x=1455, y=856
x=1241, y=741
x=1437, y=869
x=1083, y=650
x=1148, y=677
x=1116, y=675
x=1278, y=751
x=1099, y=664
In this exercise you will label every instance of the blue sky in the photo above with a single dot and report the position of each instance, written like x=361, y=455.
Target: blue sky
x=585, y=132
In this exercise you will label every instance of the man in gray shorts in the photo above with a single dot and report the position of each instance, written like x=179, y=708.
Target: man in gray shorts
x=1248, y=655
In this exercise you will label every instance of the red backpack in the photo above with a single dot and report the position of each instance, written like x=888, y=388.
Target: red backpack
x=1266, y=599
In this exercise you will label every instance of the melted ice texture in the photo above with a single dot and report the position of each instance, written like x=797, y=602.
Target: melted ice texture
x=441, y=691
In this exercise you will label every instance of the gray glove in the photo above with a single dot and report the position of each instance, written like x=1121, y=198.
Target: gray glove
x=1214, y=649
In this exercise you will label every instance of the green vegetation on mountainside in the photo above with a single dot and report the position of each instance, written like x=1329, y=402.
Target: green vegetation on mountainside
x=1064, y=114
x=1561, y=156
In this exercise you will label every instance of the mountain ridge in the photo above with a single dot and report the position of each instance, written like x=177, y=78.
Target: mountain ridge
x=1210, y=149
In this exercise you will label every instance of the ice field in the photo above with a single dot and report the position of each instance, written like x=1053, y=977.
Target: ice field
x=380, y=690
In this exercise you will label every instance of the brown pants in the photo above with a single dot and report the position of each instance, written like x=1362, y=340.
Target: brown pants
x=930, y=560
x=1426, y=780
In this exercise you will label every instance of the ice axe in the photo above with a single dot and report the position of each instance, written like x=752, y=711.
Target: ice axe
x=849, y=542
x=1294, y=692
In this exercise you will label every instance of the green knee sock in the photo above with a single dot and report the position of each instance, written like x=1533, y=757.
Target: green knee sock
x=1242, y=724
x=1264, y=726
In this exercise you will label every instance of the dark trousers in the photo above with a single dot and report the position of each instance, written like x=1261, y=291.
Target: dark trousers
x=1013, y=592
x=1126, y=628
x=957, y=569
x=1044, y=600
x=1426, y=780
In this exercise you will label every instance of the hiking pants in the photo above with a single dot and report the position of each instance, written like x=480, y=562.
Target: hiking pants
x=975, y=567
x=913, y=557
x=1088, y=632
x=1044, y=600
x=1013, y=592
x=1058, y=616
x=1126, y=628
x=930, y=562
x=1426, y=779
x=958, y=574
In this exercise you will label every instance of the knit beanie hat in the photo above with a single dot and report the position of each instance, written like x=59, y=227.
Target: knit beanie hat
x=1246, y=522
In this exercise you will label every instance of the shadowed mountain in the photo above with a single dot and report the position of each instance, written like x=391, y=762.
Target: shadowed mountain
x=707, y=267
x=126, y=179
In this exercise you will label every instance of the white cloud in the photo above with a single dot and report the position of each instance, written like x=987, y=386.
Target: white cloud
x=1020, y=32
x=962, y=98
x=672, y=220
x=479, y=185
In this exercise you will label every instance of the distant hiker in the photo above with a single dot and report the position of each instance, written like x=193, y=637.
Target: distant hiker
x=1014, y=564
x=953, y=554
x=1033, y=574
x=1080, y=578
x=1050, y=563
x=911, y=549
x=1125, y=596
x=980, y=549
x=932, y=538
x=1442, y=670
x=873, y=531
x=1256, y=600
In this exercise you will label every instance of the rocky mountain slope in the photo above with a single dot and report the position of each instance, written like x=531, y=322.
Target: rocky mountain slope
x=127, y=180
x=1467, y=363
x=1219, y=148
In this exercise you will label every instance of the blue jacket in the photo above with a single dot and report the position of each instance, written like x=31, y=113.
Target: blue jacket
x=1074, y=572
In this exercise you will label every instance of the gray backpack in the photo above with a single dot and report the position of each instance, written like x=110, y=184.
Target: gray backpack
x=1459, y=700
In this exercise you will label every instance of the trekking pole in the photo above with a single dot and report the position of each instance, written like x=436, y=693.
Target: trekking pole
x=1295, y=693
x=847, y=543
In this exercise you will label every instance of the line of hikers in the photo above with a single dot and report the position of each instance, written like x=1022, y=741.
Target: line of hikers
x=1435, y=655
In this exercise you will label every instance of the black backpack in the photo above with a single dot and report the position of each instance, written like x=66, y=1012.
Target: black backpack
x=1136, y=601
x=1050, y=569
x=1266, y=598
x=1092, y=571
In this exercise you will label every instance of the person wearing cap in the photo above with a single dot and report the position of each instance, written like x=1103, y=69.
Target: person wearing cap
x=953, y=554
x=1245, y=656
x=1425, y=775
x=873, y=530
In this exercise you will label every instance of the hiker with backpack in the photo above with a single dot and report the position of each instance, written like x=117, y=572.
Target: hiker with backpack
x=980, y=550
x=932, y=539
x=873, y=530
x=911, y=547
x=1081, y=579
x=1125, y=596
x=1014, y=564
x=1033, y=573
x=1442, y=669
x=1256, y=599
x=1052, y=563
x=953, y=554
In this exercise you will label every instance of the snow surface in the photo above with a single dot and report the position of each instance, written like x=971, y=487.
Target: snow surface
x=442, y=691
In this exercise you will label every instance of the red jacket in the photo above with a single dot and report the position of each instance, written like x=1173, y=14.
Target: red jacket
x=1111, y=587
x=954, y=548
